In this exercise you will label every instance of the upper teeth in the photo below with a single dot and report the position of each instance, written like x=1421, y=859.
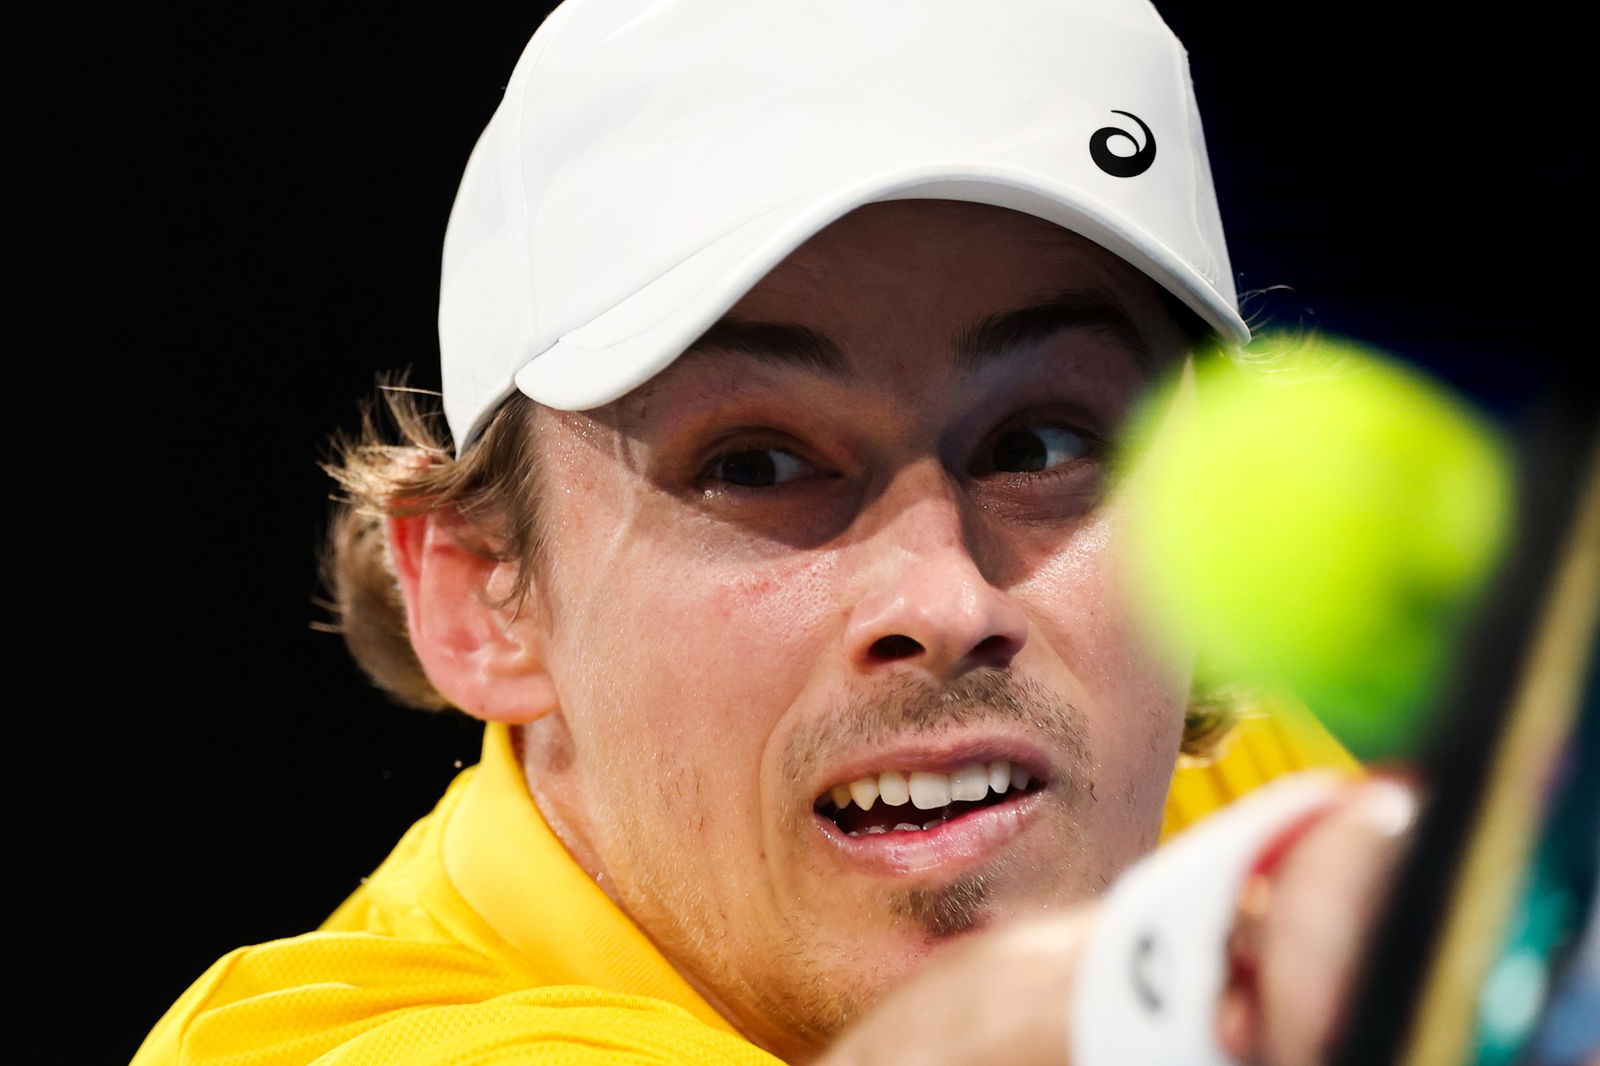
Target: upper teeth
x=928, y=791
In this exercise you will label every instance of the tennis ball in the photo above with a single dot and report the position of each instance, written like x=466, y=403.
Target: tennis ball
x=1324, y=522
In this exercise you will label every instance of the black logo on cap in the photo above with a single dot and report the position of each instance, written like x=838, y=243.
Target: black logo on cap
x=1123, y=166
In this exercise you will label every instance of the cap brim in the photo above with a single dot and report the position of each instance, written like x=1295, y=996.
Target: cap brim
x=633, y=341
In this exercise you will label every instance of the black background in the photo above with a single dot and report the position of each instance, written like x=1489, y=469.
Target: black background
x=223, y=775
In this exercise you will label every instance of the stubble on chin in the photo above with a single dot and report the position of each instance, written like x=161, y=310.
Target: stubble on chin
x=824, y=990
x=947, y=910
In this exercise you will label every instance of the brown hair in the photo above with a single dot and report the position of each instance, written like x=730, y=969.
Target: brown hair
x=401, y=463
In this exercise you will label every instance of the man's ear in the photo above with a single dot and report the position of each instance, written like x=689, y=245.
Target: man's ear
x=484, y=658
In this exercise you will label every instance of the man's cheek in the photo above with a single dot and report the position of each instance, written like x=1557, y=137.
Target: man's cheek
x=770, y=615
x=726, y=649
x=1078, y=595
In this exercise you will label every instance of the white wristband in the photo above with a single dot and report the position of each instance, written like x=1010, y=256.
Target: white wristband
x=1151, y=975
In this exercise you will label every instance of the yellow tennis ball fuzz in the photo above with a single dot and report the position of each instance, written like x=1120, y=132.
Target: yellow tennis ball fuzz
x=1324, y=524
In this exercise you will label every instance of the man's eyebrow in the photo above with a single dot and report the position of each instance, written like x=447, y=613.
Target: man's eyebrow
x=781, y=344
x=793, y=346
x=1007, y=331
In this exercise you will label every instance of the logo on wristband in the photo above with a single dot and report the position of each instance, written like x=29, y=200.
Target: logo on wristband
x=1150, y=969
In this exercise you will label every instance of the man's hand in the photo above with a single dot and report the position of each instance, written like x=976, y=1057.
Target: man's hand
x=1307, y=928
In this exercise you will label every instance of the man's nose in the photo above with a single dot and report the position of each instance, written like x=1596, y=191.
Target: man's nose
x=926, y=602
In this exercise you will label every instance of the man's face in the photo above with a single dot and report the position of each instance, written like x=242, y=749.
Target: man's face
x=858, y=533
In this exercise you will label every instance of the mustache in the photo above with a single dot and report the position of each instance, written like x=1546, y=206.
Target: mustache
x=912, y=706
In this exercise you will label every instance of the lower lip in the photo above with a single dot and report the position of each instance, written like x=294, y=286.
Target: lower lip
x=946, y=848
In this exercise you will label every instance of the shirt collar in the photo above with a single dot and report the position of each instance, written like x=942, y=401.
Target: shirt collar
x=507, y=864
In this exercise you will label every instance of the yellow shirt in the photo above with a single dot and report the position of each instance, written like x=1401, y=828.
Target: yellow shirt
x=479, y=940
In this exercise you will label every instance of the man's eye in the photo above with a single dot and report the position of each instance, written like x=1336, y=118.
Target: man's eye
x=1029, y=449
x=759, y=467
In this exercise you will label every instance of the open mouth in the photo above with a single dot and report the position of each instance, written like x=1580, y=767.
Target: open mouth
x=897, y=801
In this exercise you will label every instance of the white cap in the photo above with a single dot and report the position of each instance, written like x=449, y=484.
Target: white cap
x=653, y=159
